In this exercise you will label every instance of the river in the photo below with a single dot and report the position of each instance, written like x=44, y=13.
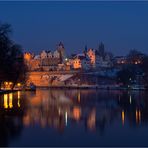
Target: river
x=59, y=117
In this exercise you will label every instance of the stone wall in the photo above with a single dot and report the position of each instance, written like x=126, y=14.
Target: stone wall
x=46, y=79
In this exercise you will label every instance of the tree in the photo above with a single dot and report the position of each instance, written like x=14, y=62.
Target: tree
x=4, y=49
x=126, y=75
x=12, y=66
x=134, y=53
x=144, y=66
x=134, y=56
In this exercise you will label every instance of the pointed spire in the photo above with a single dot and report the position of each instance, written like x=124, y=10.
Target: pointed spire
x=61, y=44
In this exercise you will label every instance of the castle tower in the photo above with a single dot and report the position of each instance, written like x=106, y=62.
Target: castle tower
x=61, y=51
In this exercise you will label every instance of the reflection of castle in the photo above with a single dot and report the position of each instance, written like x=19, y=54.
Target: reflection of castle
x=76, y=106
x=59, y=108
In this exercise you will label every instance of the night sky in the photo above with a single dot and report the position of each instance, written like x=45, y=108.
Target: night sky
x=121, y=26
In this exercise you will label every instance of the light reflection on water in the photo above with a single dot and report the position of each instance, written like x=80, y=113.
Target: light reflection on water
x=86, y=112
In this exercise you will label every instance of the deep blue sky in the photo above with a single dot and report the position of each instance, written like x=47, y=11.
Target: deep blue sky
x=41, y=25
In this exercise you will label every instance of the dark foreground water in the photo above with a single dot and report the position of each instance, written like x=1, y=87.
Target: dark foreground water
x=74, y=118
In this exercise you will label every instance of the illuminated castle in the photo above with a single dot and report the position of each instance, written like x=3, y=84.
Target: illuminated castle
x=46, y=60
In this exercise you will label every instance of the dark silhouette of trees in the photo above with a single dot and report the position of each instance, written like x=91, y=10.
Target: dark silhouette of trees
x=144, y=67
x=125, y=76
x=12, y=67
x=134, y=53
x=135, y=56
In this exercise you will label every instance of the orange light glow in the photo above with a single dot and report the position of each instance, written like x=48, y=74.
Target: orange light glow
x=26, y=120
x=6, y=83
x=123, y=117
x=77, y=113
x=6, y=101
x=92, y=120
x=79, y=96
x=138, y=116
x=76, y=63
x=18, y=94
x=18, y=84
x=10, y=83
x=18, y=97
x=27, y=56
x=91, y=55
x=10, y=100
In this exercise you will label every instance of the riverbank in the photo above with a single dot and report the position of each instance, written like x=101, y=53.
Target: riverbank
x=104, y=87
x=97, y=87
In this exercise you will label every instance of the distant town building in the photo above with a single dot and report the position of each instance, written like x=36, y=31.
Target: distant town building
x=123, y=60
x=103, y=61
x=91, y=59
x=81, y=61
x=92, y=56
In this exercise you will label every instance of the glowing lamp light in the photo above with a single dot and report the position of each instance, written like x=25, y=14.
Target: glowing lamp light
x=6, y=83
x=10, y=83
x=18, y=84
x=123, y=117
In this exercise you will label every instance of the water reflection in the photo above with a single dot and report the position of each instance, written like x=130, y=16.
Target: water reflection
x=123, y=117
x=11, y=123
x=96, y=111
x=47, y=108
x=10, y=100
x=5, y=100
x=91, y=121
